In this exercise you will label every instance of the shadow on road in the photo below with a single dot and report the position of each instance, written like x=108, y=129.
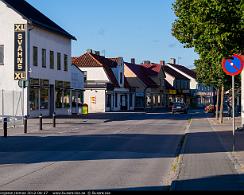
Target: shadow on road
x=216, y=183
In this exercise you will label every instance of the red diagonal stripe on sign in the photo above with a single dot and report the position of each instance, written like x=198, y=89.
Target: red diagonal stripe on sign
x=234, y=66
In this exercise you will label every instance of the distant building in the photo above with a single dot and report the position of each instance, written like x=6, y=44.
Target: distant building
x=201, y=94
x=180, y=83
x=148, y=81
x=105, y=84
x=35, y=49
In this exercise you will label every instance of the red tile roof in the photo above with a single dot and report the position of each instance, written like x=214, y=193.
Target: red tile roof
x=139, y=70
x=93, y=60
x=152, y=69
x=185, y=70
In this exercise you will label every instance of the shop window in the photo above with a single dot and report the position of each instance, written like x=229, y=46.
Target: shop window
x=59, y=61
x=1, y=54
x=51, y=60
x=35, y=56
x=65, y=62
x=66, y=98
x=59, y=98
x=34, y=99
x=44, y=98
x=44, y=58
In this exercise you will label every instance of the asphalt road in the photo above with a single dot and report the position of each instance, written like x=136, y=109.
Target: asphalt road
x=129, y=152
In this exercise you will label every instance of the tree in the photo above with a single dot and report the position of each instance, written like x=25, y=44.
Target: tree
x=215, y=29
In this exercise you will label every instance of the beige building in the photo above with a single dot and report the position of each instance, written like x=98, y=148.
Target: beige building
x=148, y=81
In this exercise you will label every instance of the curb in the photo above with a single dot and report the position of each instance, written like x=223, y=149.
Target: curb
x=179, y=158
x=231, y=155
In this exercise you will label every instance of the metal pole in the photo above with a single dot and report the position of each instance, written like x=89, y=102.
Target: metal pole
x=5, y=127
x=54, y=119
x=25, y=124
x=233, y=110
x=40, y=117
x=23, y=100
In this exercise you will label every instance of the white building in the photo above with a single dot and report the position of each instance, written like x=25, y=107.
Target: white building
x=39, y=51
x=104, y=88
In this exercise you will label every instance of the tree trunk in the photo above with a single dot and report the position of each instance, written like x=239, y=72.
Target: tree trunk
x=217, y=105
x=221, y=105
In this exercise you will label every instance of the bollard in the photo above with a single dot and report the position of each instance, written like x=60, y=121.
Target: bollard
x=5, y=127
x=40, y=123
x=25, y=124
x=54, y=119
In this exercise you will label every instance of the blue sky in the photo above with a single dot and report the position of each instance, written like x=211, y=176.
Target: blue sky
x=138, y=29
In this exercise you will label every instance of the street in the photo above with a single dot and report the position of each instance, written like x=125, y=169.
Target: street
x=129, y=152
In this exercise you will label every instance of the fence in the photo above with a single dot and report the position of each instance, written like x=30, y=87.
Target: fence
x=11, y=106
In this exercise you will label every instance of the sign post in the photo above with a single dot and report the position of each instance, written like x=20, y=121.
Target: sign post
x=233, y=66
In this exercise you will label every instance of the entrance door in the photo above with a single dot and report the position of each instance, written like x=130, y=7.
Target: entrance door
x=51, y=100
x=123, y=102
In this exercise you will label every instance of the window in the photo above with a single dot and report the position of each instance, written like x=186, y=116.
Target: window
x=85, y=76
x=131, y=99
x=35, y=56
x=51, y=60
x=44, y=98
x=65, y=62
x=121, y=78
x=34, y=99
x=59, y=61
x=44, y=59
x=1, y=54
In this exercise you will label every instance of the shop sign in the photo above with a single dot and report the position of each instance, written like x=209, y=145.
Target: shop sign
x=34, y=82
x=19, y=52
x=139, y=94
x=45, y=83
x=171, y=92
x=93, y=99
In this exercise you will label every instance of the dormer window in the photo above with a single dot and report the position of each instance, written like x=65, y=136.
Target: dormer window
x=121, y=78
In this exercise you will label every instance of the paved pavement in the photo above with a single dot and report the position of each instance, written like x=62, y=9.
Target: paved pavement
x=131, y=151
x=205, y=163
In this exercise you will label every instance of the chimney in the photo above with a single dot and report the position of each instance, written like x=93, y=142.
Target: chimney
x=162, y=62
x=97, y=53
x=172, y=61
x=146, y=62
x=133, y=61
x=89, y=51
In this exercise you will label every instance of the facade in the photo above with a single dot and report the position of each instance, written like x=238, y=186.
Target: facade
x=105, y=89
x=180, y=83
x=38, y=51
x=147, y=79
x=201, y=95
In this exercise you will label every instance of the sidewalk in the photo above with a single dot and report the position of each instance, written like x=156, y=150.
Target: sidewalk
x=225, y=133
x=205, y=162
x=47, y=124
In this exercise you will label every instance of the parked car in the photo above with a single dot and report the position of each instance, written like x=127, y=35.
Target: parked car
x=209, y=109
x=179, y=107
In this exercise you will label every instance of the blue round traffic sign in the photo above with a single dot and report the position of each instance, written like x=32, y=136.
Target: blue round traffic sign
x=232, y=66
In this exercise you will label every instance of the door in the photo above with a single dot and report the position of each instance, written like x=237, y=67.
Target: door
x=51, y=100
x=123, y=102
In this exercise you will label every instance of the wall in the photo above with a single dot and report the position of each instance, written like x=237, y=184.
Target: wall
x=8, y=18
x=49, y=41
x=95, y=74
x=100, y=96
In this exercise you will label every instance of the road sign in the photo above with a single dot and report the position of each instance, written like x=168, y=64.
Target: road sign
x=232, y=66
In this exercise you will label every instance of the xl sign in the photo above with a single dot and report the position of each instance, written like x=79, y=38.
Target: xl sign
x=19, y=52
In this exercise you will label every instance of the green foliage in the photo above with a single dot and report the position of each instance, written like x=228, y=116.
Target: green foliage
x=215, y=29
